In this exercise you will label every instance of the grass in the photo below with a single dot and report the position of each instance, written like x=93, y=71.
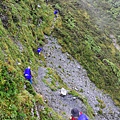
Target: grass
x=90, y=45
x=21, y=33
x=101, y=103
x=22, y=29
x=53, y=80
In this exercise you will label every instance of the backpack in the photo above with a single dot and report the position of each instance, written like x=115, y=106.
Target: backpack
x=82, y=117
x=27, y=74
x=39, y=50
x=55, y=12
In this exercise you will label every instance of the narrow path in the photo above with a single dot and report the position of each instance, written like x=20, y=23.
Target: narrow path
x=74, y=76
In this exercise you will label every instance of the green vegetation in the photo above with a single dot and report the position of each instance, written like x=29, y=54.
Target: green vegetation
x=53, y=80
x=90, y=45
x=108, y=16
x=101, y=103
x=49, y=114
x=22, y=28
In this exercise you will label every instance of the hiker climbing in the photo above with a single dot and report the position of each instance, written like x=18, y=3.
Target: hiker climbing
x=39, y=50
x=56, y=13
x=76, y=115
x=27, y=74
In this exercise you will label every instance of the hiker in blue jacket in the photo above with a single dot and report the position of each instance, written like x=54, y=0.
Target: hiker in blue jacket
x=27, y=74
x=77, y=115
x=55, y=13
x=39, y=50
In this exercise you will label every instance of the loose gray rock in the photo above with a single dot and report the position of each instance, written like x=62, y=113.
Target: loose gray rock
x=74, y=77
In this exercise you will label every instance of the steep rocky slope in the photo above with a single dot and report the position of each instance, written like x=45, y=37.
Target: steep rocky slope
x=90, y=43
x=75, y=77
x=78, y=49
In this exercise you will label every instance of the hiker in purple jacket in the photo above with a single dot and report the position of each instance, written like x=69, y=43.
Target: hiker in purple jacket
x=27, y=74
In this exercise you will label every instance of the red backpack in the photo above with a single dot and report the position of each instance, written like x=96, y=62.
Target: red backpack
x=75, y=118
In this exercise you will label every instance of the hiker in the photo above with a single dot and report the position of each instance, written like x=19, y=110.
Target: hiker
x=27, y=74
x=39, y=50
x=55, y=13
x=77, y=115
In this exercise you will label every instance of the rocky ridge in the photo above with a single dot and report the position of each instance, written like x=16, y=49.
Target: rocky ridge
x=75, y=76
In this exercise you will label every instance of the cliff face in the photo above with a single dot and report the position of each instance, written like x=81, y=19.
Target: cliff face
x=77, y=49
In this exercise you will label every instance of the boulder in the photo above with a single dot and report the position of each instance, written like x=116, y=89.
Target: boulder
x=63, y=92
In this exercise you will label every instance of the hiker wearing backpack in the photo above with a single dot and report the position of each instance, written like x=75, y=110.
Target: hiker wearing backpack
x=27, y=74
x=56, y=13
x=77, y=115
x=39, y=50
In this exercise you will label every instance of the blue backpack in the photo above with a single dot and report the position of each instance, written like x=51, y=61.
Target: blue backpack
x=55, y=12
x=39, y=50
x=82, y=117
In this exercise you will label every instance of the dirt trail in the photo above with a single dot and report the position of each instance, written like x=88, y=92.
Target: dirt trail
x=73, y=74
